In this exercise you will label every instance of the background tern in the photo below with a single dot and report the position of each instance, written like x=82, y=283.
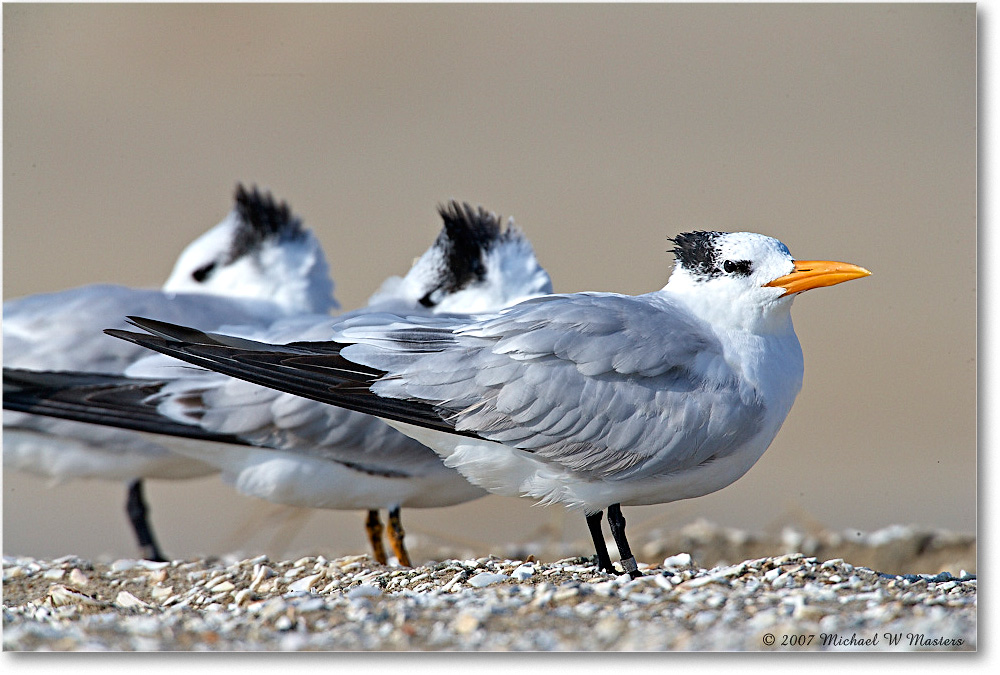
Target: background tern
x=259, y=264
x=295, y=451
x=592, y=400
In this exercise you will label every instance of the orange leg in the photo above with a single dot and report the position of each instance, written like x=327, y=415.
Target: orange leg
x=396, y=535
x=374, y=528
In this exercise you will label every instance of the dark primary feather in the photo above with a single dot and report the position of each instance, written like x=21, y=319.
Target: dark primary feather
x=324, y=377
x=131, y=403
x=108, y=400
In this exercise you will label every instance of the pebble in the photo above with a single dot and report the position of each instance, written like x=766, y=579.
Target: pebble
x=161, y=592
x=303, y=584
x=126, y=600
x=679, y=560
x=489, y=604
x=523, y=572
x=454, y=581
x=465, y=624
x=123, y=565
x=78, y=578
x=152, y=565
x=59, y=595
x=484, y=579
x=364, y=591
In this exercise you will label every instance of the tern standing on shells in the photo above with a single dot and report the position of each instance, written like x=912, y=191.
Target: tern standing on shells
x=285, y=448
x=592, y=400
x=260, y=264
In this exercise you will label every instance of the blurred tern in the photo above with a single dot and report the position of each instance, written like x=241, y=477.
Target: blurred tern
x=591, y=400
x=292, y=450
x=258, y=265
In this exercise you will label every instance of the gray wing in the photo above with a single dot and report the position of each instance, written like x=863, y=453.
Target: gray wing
x=205, y=407
x=603, y=384
x=272, y=419
x=64, y=330
x=268, y=418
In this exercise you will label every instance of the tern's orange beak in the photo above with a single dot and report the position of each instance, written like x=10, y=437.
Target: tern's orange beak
x=816, y=274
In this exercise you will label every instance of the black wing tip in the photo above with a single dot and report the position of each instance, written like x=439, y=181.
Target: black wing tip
x=19, y=379
x=147, y=323
x=166, y=329
x=62, y=379
x=104, y=399
x=128, y=336
x=155, y=329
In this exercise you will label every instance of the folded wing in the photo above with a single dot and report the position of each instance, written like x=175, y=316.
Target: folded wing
x=608, y=386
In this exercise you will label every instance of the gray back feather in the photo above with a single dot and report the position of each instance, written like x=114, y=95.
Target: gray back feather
x=598, y=383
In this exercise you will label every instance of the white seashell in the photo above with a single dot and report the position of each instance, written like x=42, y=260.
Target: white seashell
x=264, y=572
x=61, y=595
x=364, y=591
x=123, y=565
x=243, y=597
x=523, y=572
x=126, y=600
x=679, y=560
x=305, y=583
x=161, y=592
x=78, y=578
x=465, y=624
x=484, y=579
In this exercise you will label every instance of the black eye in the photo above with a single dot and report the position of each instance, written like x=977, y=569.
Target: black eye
x=426, y=301
x=202, y=272
x=740, y=267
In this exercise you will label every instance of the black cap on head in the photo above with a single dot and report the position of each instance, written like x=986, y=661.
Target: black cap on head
x=261, y=218
x=468, y=233
x=697, y=253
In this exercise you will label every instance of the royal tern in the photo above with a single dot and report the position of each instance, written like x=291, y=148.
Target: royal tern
x=591, y=400
x=296, y=451
x=259, y=264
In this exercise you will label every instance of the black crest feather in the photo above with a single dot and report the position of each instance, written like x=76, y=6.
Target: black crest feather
x=261, y=218
x=697, y=252
x=468, y=233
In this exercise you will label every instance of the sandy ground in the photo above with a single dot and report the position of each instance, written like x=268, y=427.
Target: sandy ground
x=690, y=601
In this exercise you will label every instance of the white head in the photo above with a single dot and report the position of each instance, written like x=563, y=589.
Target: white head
x=474, y=266
x=746, y=280
x=260, y=251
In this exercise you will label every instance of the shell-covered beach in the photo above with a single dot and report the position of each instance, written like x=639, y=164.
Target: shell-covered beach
x=786, y=602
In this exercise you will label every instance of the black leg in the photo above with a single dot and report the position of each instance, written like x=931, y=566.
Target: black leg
x=617, y=522
x=603, y=559
x=135, y=506
x=373, y=526
x=396, y=535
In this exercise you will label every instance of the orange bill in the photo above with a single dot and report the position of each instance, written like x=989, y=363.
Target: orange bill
x=816, y=274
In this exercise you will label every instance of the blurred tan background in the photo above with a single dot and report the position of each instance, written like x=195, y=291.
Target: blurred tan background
x=846, y=131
